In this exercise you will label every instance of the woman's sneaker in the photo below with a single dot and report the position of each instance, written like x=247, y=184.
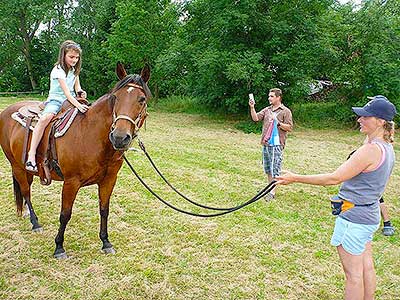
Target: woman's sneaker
x=388, y=230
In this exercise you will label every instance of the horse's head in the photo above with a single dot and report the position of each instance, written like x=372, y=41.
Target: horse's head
x=129, y=97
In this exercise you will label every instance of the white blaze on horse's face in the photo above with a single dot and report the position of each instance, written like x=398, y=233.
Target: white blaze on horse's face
x=129, y=113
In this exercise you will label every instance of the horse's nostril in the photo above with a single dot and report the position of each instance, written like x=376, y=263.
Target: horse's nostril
x=120, y=140
x=127, y=139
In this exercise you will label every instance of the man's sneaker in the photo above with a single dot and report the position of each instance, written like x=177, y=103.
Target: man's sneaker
x=268, y=197
x=388, y=230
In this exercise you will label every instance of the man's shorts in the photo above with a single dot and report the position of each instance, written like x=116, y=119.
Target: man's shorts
x=272, y=159
x=52, y=106
x=353, y=237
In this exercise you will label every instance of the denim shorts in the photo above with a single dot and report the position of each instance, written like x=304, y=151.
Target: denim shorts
x=272, y=159
x=52, y=106
x=352, y=236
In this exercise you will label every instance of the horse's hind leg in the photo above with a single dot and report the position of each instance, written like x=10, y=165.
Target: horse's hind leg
x=22, y=191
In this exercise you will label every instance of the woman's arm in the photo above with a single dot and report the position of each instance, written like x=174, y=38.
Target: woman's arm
x=363, y=159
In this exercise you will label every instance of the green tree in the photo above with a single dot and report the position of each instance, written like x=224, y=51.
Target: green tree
x=362, y=50
x=143, y=29
x=90, y=26
x=20, y=21
x=230, y=48
x=377, y=39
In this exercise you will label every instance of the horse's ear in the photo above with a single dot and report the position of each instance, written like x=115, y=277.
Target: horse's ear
x=145, y=74
x=120, y=70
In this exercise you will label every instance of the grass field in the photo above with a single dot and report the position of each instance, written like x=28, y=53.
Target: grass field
x=275, y=250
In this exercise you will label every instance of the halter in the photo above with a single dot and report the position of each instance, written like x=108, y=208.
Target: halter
x=138, y=121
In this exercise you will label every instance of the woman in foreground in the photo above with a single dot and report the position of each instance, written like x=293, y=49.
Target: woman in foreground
x=363, y=179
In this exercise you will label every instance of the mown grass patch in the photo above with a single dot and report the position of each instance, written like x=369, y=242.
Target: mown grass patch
x=276, y=250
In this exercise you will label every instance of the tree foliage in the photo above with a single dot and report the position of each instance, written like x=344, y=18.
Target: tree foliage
x=20, y=21
x=217, y=51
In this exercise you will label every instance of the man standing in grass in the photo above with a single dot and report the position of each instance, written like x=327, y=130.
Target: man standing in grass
x=277, y=122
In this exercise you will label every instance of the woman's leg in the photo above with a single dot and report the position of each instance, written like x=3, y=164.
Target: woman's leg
x=369, y=273
x=353, y=269
x=37, y=136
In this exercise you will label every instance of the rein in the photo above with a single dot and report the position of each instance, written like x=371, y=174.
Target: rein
x=224, y=211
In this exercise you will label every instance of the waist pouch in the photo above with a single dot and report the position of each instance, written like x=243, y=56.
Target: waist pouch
x=339, y=205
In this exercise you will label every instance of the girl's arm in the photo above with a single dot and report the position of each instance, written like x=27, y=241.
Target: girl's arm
x=78, y=88
x=81, y=107
x=365, y=158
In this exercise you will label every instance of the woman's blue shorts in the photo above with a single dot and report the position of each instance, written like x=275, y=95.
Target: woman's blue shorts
x=52, y=106
x=352, y=236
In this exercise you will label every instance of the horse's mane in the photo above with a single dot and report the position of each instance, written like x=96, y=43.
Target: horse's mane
x=136, y=79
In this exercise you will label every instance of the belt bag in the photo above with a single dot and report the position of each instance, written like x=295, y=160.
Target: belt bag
x=339, y=205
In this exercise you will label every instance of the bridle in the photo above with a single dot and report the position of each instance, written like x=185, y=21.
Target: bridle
x=138, y=122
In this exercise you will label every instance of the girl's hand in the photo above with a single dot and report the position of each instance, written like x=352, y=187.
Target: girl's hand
x=286, y=178
x=82, y=94
x=82, y=108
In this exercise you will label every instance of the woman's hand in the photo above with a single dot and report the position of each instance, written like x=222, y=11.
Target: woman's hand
x=286, y=178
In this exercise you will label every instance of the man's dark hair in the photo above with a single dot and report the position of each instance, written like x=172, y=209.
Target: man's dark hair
x=277, y=92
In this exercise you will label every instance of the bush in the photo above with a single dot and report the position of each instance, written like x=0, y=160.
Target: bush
x=322, y=115
x=180, y=104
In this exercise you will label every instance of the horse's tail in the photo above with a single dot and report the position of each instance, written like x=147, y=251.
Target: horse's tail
x=19, y=199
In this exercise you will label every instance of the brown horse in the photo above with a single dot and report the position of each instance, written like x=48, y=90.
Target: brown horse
x=89, y=153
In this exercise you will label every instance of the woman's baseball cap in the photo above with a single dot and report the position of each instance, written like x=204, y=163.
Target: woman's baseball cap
x=379, y=107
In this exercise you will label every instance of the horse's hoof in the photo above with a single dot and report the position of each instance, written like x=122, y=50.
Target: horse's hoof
x=108, y=250
x=61, y=255
x=38, y=229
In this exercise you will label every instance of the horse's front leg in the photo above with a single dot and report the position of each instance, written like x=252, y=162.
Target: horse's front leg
x=105, y=189
x=69, y=191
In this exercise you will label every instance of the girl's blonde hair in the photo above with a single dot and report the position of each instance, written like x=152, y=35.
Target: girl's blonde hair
x=388, y=134
x=65, y=47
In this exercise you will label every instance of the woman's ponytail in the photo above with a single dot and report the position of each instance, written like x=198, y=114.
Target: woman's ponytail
x=388, y=134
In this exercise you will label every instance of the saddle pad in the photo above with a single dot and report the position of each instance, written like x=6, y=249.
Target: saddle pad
x=17, y=116
x=65, y=121
x=61, y=125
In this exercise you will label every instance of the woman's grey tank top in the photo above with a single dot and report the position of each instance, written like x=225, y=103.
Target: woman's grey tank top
x=366, y=188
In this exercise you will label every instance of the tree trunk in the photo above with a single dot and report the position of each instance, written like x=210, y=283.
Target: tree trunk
x=27, y=35
x=31, y=77
x=29, y=67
